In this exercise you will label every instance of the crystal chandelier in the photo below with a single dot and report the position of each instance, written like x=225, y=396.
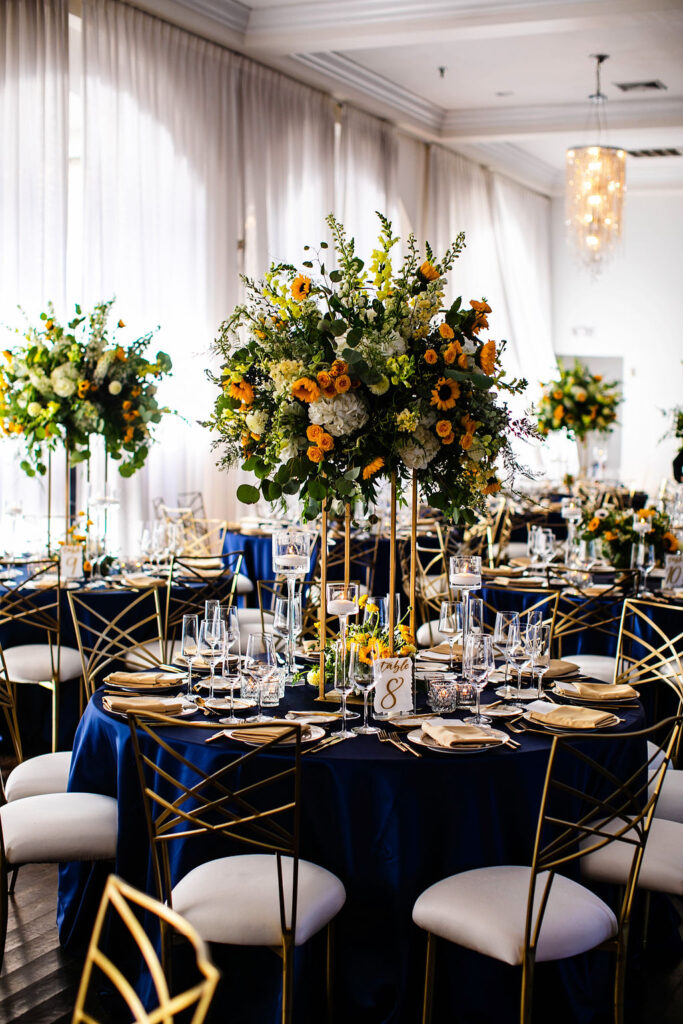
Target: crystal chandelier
x=596, y=183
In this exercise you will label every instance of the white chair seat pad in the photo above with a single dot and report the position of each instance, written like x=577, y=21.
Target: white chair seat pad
x=485, y=910
x=235, y=900
x=46, y=773
x=244, y=584
x=31, y=663
x=662, y=867
x=598, y=666
x=60, y=827
x=670, y=803
x=429, y=634
x=149, y=654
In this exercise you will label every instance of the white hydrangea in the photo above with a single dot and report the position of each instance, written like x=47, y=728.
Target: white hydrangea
x=339, y=415
x=257, y=421
x=63, y=379
x=419, y=452
x=40, y=381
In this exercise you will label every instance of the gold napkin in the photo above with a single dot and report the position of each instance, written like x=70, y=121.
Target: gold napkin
x=141, y=579
x=556, y=669
x=573, y=718
x=122, y=705
x=458, y=735
x=264, y=733
x=146, y=679
x=443, y=648
x=604, y=691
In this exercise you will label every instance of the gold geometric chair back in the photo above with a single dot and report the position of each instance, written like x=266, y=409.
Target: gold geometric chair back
x=203, y=536
x=576, y=819
x=194, y=500
x=256, y=810
x=363, y=549
x=31, y=604
x=191, y=582
x=128, y=904
x=535, y=599
x=582, y=608
x=431, y=572
x=132, y=637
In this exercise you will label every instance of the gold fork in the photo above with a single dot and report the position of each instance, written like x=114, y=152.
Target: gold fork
x=386, y=737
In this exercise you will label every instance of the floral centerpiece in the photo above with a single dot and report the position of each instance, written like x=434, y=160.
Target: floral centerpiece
x=67, y=382
x=578, y=402
x=615, y=529
x=336, y=376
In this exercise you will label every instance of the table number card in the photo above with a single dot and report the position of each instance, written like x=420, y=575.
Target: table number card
x=71, y=562
x=673, y=572
x=393, y=692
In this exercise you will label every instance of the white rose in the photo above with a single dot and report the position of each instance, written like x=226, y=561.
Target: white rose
x=114, y=387
x=64, y=387
x=257, y=421
x=381, y=387
x=34, y=409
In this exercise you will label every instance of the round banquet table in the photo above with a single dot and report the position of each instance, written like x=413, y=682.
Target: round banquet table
x=388, y=825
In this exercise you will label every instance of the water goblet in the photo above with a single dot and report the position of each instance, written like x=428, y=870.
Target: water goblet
x=259, y=663
x=189, y=647
x=542, y=641
x=229, y=641
x=343, y=685
x=517, y=655
x=506, y=624
x=478, y=664
x=211, y=639
x=451, y=625
x=362, y=676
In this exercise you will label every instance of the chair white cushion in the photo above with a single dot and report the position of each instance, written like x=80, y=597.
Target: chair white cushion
x=46, y=773
x=31, y=663
x=235, y=900
x=244, y=584
x=429, y=634
x=249, y=616
x=662, y=867
x=60, y=827
x=670, y=803
x=434, y=588
x=149, y=654
x=599, y=666
x=516, y=549
x=485, y=910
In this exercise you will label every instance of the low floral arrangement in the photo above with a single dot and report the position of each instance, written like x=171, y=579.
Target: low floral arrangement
x=614, y=528
x=579, y=402
x=373, y=639
x=65, y=383
x=93, y=552
x=333, y=379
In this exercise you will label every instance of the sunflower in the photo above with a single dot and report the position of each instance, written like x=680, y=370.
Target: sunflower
x=492, y=487
x=430, y=356
x=84, y=388
x=446, y=331
x=315, y=454
x=594, y=524
x=445, y=393
x=670, y=541
x=487, y=358
x=373, y=467
x=301, y=286
x=314, y=433
x=242, y=391
x=443, y=428
x=305, y=389
x=326, y=442
x=428, y=271
x=342, y=383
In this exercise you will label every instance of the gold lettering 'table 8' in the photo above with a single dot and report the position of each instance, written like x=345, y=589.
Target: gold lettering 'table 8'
x=393, y=686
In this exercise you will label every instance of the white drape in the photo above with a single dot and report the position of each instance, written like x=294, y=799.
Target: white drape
x=365, y=176
x=33, y=190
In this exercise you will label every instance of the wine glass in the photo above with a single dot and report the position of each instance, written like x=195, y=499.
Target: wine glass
x=189, y=647
x=534, y=621
x=465, y=575
x=542, y=638
x=211, y=640
x=376, y=611
x=451, y=624
x=517, y=655
x=645, y=563
x=230, y=638
x=343, y=684
x=477, y=666
x=291, y=559
x=476, y=615
x=362, y=676
x=259, y=665
x=506, y=625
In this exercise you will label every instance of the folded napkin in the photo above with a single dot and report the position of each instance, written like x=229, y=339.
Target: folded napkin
x=556, y=669
x=141, y=579
x=440, y=652
x=598, y=691
x=458, y=735
x=146, y=679
x=544, y=713
x=315, y=714
x=123, y=704
x=264, y=733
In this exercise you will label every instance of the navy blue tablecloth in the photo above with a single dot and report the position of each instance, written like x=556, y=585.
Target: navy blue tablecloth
x=388, y=825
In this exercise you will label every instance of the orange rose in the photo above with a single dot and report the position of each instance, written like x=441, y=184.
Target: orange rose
x=444, y=428
x=324, y=379
x=326, y=442
x=466, y=441
x=339, y=366
x=462, y=361
x=558, y=413
x=487, y=358
x=315, y=454
x=342, y=383
x=430, y=356
x=481, y=307
x=446, y=331
x=314, y=433
x=448, y=439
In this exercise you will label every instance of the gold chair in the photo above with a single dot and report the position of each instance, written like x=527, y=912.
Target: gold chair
x=268, y=896
x=133, y=636
x=191, y=582
x=203, y=537
x=123, y=900
x=520, y=915
x=539, y=600
x=33, y=606
x=582, y=608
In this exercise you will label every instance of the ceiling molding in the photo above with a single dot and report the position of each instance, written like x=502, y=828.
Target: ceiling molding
x=346, y=72
x=230, y=13
x=489, y=123
x=516, y=163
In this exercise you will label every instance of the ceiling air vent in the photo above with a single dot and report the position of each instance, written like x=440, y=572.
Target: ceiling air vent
x=655, y=152
x=652, y=86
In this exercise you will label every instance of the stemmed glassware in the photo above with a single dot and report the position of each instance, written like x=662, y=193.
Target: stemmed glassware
x=465, y=575
x=189, y=647
x=281, y=621
x=211, y=641
x=291, y=559
x=342, y=601
x=259, y=666
x=644, y=560
x=376, y=611
x=541, y=643
x=517, y=655
x=532, y=625
x=361, y=675
x=478, y=664
x=451, y=625
x=230, y=638
x=343, y=684
x=506, y=625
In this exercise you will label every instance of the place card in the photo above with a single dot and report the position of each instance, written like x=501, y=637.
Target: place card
x=393, y=693
x=71, y=562
x=673, y=572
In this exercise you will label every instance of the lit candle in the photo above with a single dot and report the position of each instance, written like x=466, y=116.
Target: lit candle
x=466, y=579
x=342, y=606
x=291, y=563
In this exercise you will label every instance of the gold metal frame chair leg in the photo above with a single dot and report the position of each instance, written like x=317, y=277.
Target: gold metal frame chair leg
x=287, y=979
x=428, y=997
x=620, y=976
x=55, y=715
x=526, y=1001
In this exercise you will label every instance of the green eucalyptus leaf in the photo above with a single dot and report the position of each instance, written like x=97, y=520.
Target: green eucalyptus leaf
x=247, y=494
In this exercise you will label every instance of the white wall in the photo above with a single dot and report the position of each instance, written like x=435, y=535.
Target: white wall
x=634, y=310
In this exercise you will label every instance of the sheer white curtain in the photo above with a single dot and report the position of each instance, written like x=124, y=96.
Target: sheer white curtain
x=162, y=218
x=365, y=176
x=33, y=190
